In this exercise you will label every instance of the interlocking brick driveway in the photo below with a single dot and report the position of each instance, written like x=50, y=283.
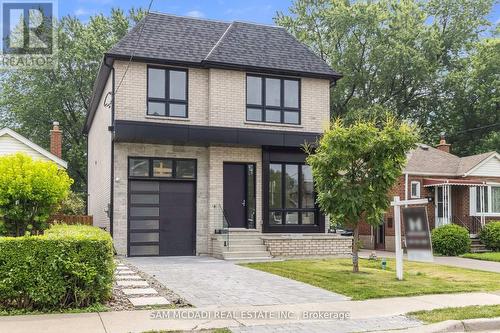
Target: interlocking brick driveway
x=205, y=281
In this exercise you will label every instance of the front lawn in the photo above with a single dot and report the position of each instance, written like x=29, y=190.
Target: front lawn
x=462, y=313
x=374, y=282
x=489, y=256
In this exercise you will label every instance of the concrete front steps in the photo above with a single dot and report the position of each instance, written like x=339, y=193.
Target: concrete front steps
x=477, y=246
x=240, y=245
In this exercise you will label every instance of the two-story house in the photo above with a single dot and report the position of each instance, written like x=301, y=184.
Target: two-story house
x=195, y=135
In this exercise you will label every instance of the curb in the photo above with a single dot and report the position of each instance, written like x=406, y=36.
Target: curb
x=476, y=325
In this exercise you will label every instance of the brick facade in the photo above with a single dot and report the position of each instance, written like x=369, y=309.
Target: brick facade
x=460, y=207
x=308, y=245
x=217, y=97
x=99, y=164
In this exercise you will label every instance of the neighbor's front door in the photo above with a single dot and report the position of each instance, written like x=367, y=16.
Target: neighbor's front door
x=239, y=194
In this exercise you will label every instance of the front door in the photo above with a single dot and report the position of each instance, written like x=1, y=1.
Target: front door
x=380, y=237
x=239, y=194
x=443, y=205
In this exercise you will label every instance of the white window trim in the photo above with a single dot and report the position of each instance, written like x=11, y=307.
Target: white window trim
x=417, y=195
x=473, y=197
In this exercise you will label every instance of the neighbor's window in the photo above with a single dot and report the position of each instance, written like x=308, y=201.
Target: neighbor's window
x=291, y=194
x=487, y=199
x=167, y=92
x=482, y=194
x=273, y=100
x=415, y=189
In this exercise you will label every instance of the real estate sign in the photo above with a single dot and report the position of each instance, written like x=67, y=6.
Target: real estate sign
x=417, y=234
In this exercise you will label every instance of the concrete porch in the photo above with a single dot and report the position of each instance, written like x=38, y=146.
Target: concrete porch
x=241, y=244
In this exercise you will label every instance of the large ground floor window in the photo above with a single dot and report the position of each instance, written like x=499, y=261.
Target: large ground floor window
x=485, y=200
x=288, y=190
x=291, y=194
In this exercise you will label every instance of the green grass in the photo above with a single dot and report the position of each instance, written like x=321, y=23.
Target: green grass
x=462, y=313
x=489, y=256
x=374, y=282
x=16, y=312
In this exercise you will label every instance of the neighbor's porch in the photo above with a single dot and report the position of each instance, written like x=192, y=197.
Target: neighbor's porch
x=458, y=201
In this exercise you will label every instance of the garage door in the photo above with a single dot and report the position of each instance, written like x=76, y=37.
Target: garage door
x=161, y=218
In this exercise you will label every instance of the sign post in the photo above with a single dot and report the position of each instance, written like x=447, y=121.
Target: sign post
x=396, y=203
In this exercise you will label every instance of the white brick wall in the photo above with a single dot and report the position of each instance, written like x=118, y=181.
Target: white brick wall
x=216, y=97
x=99, y=163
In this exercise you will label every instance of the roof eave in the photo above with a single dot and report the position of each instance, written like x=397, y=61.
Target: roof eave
x=215, y=64
x=478, y=165
x=59, y=161
x=223, y=65
x=99, y=84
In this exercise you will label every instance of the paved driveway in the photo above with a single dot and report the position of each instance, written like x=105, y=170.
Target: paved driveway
x=205, y=281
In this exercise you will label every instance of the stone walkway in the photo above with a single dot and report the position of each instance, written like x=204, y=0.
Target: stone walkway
x=483, y=265
x=138, y=290
x=205, y=281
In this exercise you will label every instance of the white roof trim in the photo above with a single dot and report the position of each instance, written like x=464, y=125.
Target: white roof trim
x=477, y=166
x=418, y=173
x=35, y=147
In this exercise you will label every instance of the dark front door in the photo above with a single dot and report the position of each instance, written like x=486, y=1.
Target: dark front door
x=380, y=237
x=239, y=194
x=177, y=218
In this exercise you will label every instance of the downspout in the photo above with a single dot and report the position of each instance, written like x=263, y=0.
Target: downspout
x=111, y=128
x=406, y=187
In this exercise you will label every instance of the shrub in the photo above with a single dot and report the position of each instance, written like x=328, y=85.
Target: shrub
x=451, y=240
x=30, y=191
x=68, y=266
x=490, y=235
x=74, y=204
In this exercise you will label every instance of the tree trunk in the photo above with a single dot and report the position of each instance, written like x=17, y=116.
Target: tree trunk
x=355, y=242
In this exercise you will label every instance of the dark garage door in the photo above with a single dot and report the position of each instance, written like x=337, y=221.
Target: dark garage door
x=161, y=218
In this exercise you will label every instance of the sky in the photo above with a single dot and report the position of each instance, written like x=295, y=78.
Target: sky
x=258, y=11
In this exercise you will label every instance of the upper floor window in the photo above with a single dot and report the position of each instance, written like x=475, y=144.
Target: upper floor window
x=273, y=100
x=167, y=92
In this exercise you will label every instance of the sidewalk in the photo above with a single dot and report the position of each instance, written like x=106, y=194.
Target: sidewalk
x=364, y=316
x=483, y=265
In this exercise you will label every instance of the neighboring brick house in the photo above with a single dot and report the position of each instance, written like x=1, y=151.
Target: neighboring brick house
x=461, y=190
x=194, y=146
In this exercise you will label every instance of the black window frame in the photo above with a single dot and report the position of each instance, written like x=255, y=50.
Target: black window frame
x=167, y=100
x=151, y=168
x=283, y=210
x=263, y=107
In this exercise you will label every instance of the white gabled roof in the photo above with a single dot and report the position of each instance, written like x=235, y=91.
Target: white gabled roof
x=34, y=146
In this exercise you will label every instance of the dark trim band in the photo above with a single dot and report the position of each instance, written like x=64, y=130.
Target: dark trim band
x=155, y=133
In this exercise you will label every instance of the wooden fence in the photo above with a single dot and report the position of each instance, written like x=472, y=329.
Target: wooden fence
x=72, y=219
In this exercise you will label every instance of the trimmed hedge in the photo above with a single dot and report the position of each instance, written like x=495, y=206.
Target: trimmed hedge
x=490, y=235
x=451, y=240
x=67, y=267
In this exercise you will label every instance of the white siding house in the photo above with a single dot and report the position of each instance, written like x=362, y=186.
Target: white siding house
x=12, y=143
